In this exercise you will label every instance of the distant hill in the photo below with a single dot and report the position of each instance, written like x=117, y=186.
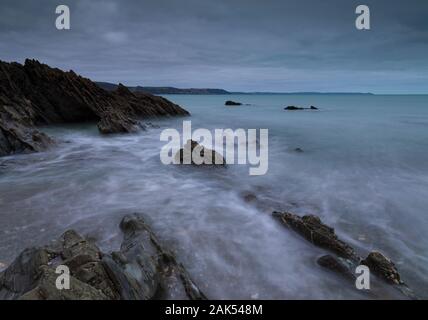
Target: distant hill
x=172, y=90
x=163, y=90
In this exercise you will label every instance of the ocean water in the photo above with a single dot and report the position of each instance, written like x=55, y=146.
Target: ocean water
x=363, y=170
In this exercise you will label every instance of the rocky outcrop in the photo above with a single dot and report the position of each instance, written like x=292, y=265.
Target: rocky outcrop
x=206, y=156
x=141, y=270
x=321, y=235
x=293, y=108
x=35, y=94
x=232, y=103
x=382, y=267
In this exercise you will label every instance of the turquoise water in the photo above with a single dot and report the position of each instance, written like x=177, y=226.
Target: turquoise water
x=364, y=171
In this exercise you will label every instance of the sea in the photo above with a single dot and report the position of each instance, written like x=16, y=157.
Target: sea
x=361, y=166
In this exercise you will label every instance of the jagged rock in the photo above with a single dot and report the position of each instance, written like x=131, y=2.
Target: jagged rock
x=311, y=228
x=313, y=108
x=184, y=155
x=232, y=103
x=382, y=267
x=35, y=94
x=142, y=269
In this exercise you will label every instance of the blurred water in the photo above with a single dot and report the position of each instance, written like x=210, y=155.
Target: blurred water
x=364, y=170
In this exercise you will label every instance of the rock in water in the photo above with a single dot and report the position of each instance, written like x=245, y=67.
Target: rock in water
x=142, y=269
x=292, y=108
x=311, y=228
x=34, y=94
x=232, y=103
x=184, y=155
x=382, y=267
x=338, y=265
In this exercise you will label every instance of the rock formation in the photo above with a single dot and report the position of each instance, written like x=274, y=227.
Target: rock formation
x=311, y=228
x=211, y=157
x=35, y=94
x=321, y=235
x=293, y=108
x=232, y=103
x=141, y=270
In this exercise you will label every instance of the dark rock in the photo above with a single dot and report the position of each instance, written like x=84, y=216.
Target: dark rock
x=293, y=108
x=382, y=267
x=142, y=269
x=300, y=150
x=338, y=265
x=313, y=230
x=184, y=155
x=34, y=94
x=232, y=103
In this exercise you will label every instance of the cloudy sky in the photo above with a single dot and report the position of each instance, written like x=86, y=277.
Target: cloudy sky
x=238, y=45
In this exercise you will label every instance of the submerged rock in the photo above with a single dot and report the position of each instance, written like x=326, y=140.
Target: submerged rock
x=311, y=228
x=184, y=155
x=141, y=270
x=338, y=265
x=35, y=94
x=232, y=103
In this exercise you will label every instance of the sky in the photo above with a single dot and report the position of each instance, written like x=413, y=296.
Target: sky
x=237, y=45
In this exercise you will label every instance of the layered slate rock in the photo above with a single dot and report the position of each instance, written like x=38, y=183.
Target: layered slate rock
x=346, y=259
x=35, y=94
x=315, y=231
x=141, y=270
x=383, y=267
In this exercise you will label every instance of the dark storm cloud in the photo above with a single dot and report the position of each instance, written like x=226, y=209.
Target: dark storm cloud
x=244, y=45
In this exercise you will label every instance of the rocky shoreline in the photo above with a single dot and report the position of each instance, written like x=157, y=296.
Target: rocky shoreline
x=34, y=94
x=141, y=270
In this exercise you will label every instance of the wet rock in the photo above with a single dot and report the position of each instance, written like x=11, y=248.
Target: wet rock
x=337, y=265
x=34, y=94
x=142, y=269
x=299, y=150
x=293, y=108
x=313, y=230
x=382, y=267
x=184, y=155
x=321, y=235
x=232, y=103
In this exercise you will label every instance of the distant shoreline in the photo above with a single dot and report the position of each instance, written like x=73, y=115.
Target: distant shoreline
x=209, y=91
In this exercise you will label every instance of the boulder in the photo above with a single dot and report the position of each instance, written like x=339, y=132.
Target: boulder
x=142, y=269
x=35, y=94
x=184, y=155
x=382, y=267
x=232, y=103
